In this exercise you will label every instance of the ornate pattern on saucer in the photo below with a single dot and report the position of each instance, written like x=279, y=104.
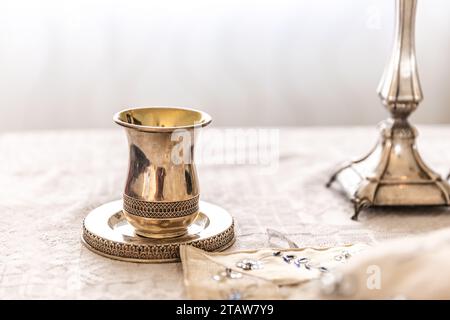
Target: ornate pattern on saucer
x=106, y=232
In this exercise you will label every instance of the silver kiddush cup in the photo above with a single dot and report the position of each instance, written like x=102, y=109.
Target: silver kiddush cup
x=161, y=197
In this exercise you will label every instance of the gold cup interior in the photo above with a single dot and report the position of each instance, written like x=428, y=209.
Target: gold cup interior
x=161, y=118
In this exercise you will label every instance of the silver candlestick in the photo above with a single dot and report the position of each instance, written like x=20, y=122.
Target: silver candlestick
x=393, y=173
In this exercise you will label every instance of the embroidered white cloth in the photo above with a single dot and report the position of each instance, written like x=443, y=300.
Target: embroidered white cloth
x=259, y=274
x=49, y=181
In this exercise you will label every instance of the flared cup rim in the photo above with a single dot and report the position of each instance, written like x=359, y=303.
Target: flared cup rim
x=205, y=119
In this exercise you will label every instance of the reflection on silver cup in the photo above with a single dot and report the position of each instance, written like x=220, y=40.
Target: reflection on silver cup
x=161, y=197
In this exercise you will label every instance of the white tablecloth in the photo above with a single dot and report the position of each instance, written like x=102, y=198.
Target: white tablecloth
x=50, y=180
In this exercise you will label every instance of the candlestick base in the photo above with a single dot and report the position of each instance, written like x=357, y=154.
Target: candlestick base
x=392, y=174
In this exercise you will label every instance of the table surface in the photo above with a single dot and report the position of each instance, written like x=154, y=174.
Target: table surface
x=50, y=180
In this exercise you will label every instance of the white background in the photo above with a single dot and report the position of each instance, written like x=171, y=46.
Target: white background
x=72, y=64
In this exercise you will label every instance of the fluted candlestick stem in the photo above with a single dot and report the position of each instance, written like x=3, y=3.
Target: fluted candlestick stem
x=400, y=85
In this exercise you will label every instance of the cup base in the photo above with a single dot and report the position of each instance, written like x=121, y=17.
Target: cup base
x=160, y=228
x=161, y=236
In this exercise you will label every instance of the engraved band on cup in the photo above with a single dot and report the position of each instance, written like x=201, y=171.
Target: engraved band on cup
x=160, y=210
